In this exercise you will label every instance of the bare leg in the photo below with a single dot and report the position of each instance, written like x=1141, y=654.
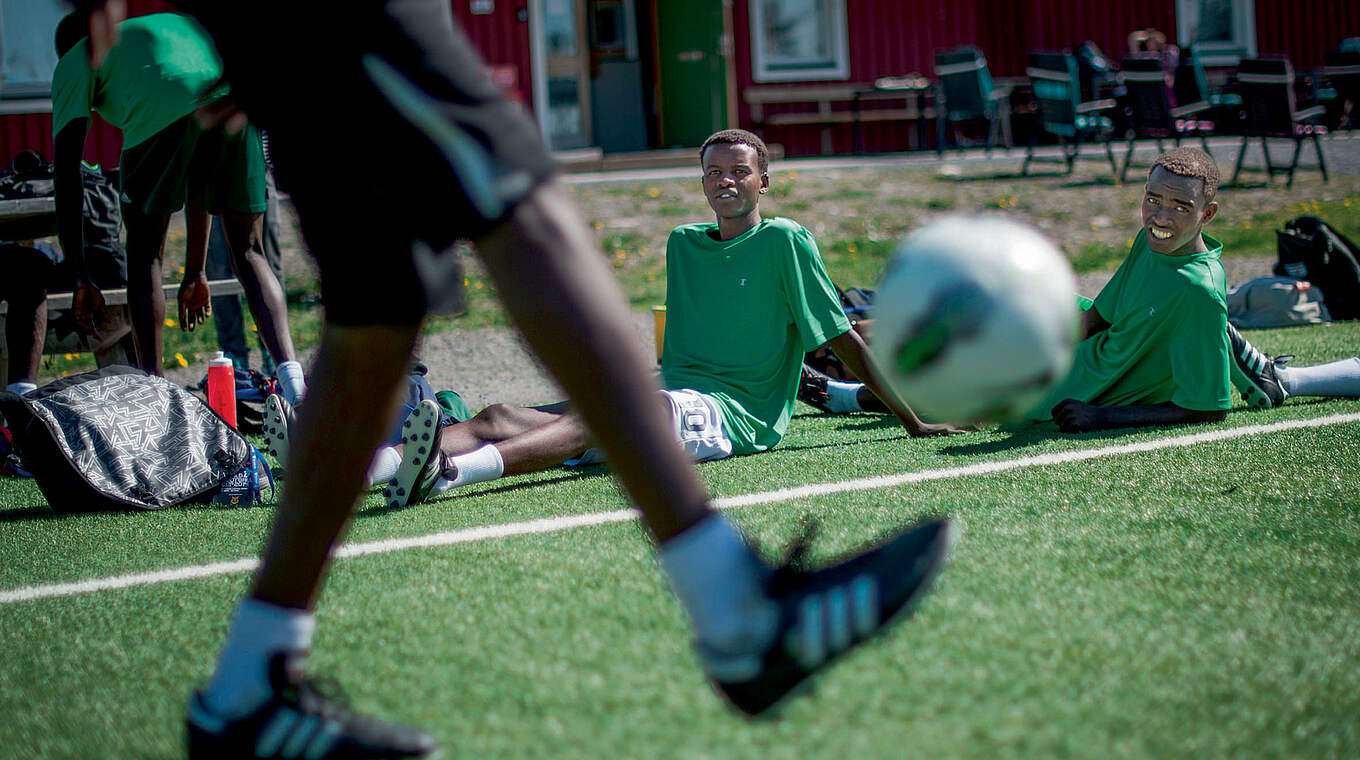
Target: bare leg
x=146, y=300
x=545, y=265
x=264, y=293
x=528, y=439
x=354, y=388
x=26, y=323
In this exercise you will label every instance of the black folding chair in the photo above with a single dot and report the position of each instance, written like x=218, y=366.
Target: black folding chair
x=1269, y=108
x=1062, y=114
x=1151, y=113
x=1342, y=69
x=965, y=94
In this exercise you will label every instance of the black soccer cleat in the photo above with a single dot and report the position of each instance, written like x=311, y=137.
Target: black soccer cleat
x=422, y=463
x=826, y=613
x=1253, y=372
x=812, y=389
x=278, y=422
x=298, y=722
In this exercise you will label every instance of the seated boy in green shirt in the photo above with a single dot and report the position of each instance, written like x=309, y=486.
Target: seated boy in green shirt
x=1157, y=343
x=1156, y=350
x=746, y=299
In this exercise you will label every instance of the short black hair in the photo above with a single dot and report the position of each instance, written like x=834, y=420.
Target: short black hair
x=1191, y=162
x=72, y=28
x=739, y=137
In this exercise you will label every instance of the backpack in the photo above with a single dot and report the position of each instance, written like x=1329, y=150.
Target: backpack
x=1276, y=302
x=1310, y=249
x=29, y=176
x=858, y=304
x=119, y=439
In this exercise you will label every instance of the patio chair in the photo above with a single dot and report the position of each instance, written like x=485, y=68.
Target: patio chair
x=1342, y=69
x=1192, y=84
x=1151, y=113
x=1061, y=112
x=966, y=93
x=1270, y=110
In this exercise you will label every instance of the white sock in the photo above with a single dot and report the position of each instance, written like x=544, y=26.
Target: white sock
x=843, y=397
x=476, y=466
x=720, y=582
x=258, y=632
x=384, y=467
x=21, y=387
x=1338, y=378
x=291, y=382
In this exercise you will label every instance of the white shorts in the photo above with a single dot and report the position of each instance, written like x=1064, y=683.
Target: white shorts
x=698, y=427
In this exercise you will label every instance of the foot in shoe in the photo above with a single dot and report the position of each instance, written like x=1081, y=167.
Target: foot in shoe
x=297, y=721
x=421, y=459
x=826, y=613
x=278, y=420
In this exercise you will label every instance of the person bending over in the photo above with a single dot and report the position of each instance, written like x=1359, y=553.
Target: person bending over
x=149, y=86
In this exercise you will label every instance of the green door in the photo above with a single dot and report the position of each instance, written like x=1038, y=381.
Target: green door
x=693, y=70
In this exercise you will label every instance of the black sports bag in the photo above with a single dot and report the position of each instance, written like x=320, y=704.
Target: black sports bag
x=1310, y=249
x=119, y=439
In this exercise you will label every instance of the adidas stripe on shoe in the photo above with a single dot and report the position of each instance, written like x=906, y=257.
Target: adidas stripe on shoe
x=1253, y=373
x=421, y=459
x=826, y=613
x=299, y=722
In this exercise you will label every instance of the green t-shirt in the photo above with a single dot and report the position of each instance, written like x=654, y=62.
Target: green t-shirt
x=1167, y=339
x=159, y=71
x=740, y=315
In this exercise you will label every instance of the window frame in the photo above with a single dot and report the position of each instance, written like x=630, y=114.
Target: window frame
x=34, y=91
x=1216, y=53
x=763, y=69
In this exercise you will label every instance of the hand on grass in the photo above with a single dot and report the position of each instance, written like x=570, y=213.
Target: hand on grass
x=931, y=429
x=195, y=302
x=1074, y=416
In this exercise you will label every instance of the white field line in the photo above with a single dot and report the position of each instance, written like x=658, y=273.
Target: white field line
x=556, y=524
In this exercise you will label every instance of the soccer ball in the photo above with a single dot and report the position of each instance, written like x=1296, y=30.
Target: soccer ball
x=975, y=320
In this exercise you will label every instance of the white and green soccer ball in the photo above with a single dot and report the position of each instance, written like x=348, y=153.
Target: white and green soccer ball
x=975, y=319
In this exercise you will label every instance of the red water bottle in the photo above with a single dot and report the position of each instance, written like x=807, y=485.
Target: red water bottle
x=222, y=388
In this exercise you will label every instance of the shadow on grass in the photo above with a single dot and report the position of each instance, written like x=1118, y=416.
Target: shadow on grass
x=571, y=474
x=28, y=514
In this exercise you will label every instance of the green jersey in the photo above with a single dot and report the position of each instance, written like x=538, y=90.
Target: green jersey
x=740, y=315
x=160, y=71
x=1167, y=339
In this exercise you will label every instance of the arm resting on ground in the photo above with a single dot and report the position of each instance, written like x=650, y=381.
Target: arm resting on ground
x=1075, y=416
x=854, y=353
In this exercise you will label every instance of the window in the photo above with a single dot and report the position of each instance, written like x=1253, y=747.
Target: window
x=799, y=40
x=27, y=52
x=1221, y=32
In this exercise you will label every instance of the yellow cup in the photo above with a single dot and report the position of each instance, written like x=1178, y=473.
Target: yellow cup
x=659, y=325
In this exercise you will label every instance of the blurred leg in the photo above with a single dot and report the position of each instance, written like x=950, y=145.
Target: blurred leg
x=226, y=309
x=146, y=300
x=263, y=292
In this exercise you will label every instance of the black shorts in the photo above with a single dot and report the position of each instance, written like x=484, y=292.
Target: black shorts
x=389, y=135
x=224, y=172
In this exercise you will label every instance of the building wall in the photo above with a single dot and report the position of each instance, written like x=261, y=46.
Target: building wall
x=890, y=37
x=1304, y=29
x=503, y=40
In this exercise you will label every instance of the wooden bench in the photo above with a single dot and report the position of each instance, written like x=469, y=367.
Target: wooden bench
x=840, y=103
x=112, y=340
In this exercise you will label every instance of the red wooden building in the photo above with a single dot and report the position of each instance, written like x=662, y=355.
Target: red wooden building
x=624, y=75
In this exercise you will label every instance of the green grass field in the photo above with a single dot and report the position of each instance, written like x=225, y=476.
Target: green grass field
x=1195, y=600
